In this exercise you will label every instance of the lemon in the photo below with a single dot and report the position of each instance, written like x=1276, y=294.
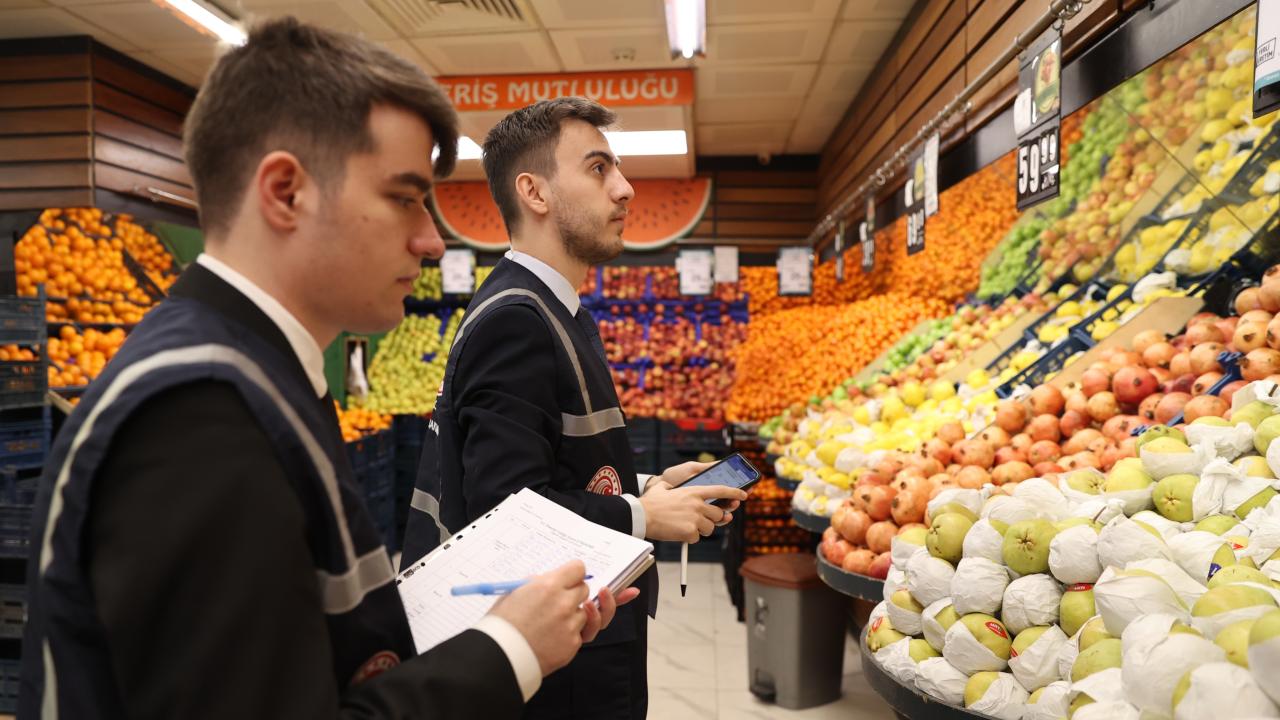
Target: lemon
x=977, y=379
x=942, y=390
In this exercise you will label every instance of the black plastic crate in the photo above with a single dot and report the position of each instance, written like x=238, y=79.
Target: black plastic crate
x=24, y=438
x=694, y=436
x=13, y=610
x=23, y=383
x=22, y=320
x=1051, y=362
x=10, y=673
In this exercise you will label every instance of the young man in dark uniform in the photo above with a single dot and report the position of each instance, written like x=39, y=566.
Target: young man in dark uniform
x=528, y=401
x=200, y=548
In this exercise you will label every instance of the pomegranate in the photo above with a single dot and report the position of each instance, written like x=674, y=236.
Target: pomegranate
x=1103, y=406
x=1118, y=427
x=1081, y=441
x=1081, y=460
x=879, y=568
x=1182, y=383
x=1204, y=382
x=858, y=561
x=1021, y=442
x=1162, y=375
x=1008, y=454
x=1258, y=316
x=975, y=452
x=1271, y=274
x=938, y=449
x=1269, y=295
x=1249, y=336
x=1076, y=402
x=1047, y=399
x=835, y=551
x=1260, y=363
x=1273, y=334
x=1180, y=364
x=1043, y=451
x=1204, y=406
x=877, y=501
x=951, y=433
x=1229, y=390
x=1132, y=384
x=874, y=478
x=1094, y=381
x=1047, y=468
x=851, y=523
x=1124, y=359
x=1170, y=405
x=1012, y=472
x=1146, y=339
x=890, y=465
x=909, y=507
x=1147, y=410
x=973, y=477
x=1247, y=300
x=1204, y=357
x=1129, y=447
x=1044, y=427
x=1204, y=332
x=1228, y=325
x=880, y=535
x=1159, y=355
x=1072, y=422
x=995, y=436
x=1109, y=458
x=1011, y=416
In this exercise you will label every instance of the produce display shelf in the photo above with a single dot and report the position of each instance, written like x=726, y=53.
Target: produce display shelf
x=1256, y=254
x=788, y=484
x=854, y=585
x=1230, y=362
x=809, y=521
x=907, y=702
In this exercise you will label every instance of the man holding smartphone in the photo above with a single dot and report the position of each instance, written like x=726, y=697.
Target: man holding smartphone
x=528, y=400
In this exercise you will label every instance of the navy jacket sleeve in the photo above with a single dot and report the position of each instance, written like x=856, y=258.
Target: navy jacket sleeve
x=504, y=392
x=206, y=587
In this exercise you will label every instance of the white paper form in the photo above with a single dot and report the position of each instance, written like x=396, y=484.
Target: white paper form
x=525, y=535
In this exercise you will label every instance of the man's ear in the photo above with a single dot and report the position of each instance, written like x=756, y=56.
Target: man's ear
x=532, y=192
x=278, y=186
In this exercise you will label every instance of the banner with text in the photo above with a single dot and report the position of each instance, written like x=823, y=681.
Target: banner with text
x=475, y=93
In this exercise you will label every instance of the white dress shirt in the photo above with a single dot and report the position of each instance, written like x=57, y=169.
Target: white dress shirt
x=567, y=294
x=514, y=645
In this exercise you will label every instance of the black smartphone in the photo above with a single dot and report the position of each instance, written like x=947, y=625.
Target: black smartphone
x=733, y=471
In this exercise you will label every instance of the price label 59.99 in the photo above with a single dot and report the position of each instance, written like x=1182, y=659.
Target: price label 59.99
x=1038, y=167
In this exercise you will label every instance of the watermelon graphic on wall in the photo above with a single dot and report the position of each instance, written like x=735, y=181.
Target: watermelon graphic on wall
x=662, y=212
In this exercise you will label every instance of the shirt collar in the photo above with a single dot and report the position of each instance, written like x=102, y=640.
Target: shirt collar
x=559, y=285
x=303, y=343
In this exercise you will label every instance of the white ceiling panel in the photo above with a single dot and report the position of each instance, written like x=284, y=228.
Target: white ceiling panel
x=768, y=83
x=52, y=22
x=632, y=49
x=650, y=118
x=140, y=24
x=406, y=50
x=742, y=138
x=627, y=14
x=420, y=18
x=727, y=110
x=352, y=16
x=877, y=9
x=527, y=52
x=860, y=41
x=767, y=44
x=843, y=80
x=196, y=58
x=724, y=12
x=18, y=4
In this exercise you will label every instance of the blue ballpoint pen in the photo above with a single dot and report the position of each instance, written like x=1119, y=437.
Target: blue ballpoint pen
x=492, y=588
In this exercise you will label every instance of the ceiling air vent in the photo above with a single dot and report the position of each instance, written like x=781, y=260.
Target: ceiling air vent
x=427, y=17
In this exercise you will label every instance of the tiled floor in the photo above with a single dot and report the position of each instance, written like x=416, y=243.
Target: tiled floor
x=698, y=660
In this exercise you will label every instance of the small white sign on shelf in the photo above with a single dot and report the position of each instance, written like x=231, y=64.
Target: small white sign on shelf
x=795, y=271
x=458, y=272
x=727, y=264
x=695, y=268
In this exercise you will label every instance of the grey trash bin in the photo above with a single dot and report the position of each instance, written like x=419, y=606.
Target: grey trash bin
x=795, y=631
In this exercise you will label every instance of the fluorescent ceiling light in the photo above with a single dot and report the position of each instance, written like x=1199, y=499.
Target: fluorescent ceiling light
x=648, y=142
x=687, y=27
x=207, y=19
x=468, y=149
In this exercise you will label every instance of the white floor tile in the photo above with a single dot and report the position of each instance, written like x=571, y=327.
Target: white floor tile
x=682, y=666
x=674, y=703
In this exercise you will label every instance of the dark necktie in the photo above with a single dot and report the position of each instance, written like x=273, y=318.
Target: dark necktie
x=593, y=332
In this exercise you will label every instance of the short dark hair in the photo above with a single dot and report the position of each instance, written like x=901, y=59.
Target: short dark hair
x=526, y=140
x=306, y=90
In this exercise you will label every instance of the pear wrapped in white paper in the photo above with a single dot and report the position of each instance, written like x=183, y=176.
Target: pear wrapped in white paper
x=904, y=620
x=1008, y=510
x=1069, y=652
x=1031, y=601
x=1076, y=497
x=1037, y=665
x=1097, y=509
x=1151, y=677
x=968, y=654
x=1187, y=588
x=1073, y=555
x=1123, y=541
x=1004, y=699
x=1104, y=686
x=1160, y=465
x=1243, y=490
x=1054, y=703
x=1122, y=598
x=934, y=633
x=897, y=661
x=1228, y=443
x=1250, y=608
x=978, y=586
x=1194, y=551
x=1113, y=710
x=894, y=581
x=966, y=497
x=929, y=578
x=1146, y=632
x=901, y=551
x=940, y=679
x=850, y=459
x=1161, y=524
x=1224, y=691
x=984, y=541
x=1044, y=498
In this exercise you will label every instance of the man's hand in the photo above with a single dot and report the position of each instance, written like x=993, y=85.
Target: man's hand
x=677, y=475
x=548, y=612
x=599, y=619
x=683, y=514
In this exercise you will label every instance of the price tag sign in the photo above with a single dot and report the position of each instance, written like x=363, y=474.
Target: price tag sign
x=1266, y=67
x=931, y=175
x=458, y=272
x=696, y=273
x=840, y=252
x=727, y=264
x=1037, y=118
x=795, y=271
x=867, y=236
x=913, y=198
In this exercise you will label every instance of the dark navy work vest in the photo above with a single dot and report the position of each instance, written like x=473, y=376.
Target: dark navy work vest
x=67, y=669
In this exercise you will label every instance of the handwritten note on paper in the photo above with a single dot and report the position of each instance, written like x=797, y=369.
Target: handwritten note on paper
x=524, y=536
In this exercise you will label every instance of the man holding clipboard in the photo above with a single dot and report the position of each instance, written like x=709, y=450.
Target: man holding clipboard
x=528, y=401
x=200, y=548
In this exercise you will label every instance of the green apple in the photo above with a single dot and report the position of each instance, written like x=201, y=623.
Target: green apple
x=1026, y=546
x=1266, y=431
x=1180, y=690
x=882, y=634
x=1212, y=420
x=1076, y=522
x=1089, y=482
x=990, y=632
x=1093, y=632
x=946, y=536
x=921, y=650
x=1127, y=476
x=1075, y=608
x=1253, y=413
x=1234, y=639
x=903, y=599
x=1229, y=574
x=1026, y=639
x=1101, y=655
x=978, y=685
x=1225, y=598
x=953, y=507
x=1156, y=432
x=914, y=536
x=1172, y=496
x=1168, y=445
x=1217, y=524
x=1254, y=466
x=1260, y=499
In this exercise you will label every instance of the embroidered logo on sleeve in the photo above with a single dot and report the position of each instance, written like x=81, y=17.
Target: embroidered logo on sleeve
x=375, y=665
x=605, y=482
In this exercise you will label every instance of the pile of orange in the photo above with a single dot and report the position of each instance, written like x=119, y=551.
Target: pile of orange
x=75, y=359
x=147, y=250
x=358, y=422
x=18, y=354
x=794, y=354
x=80, y=310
